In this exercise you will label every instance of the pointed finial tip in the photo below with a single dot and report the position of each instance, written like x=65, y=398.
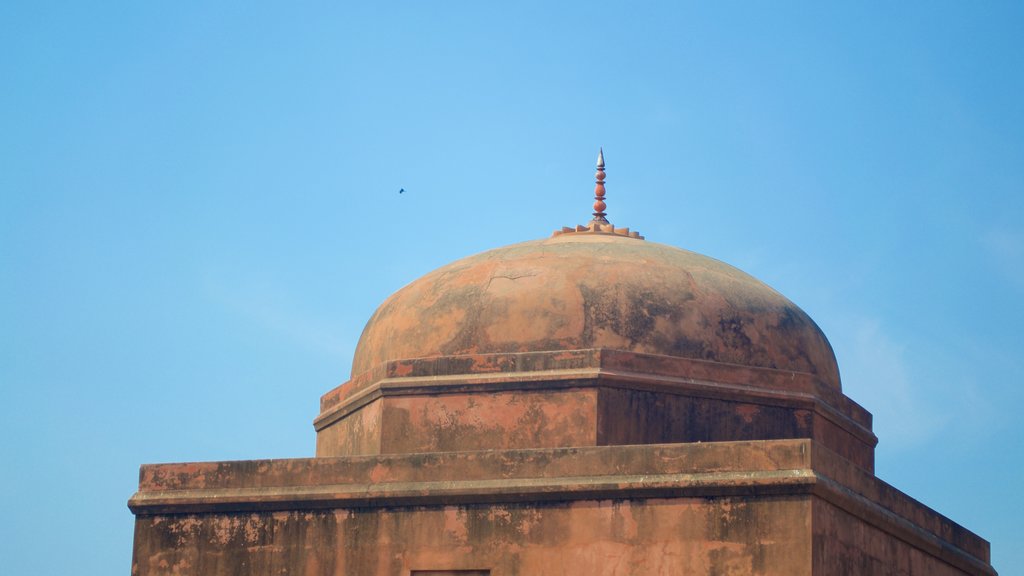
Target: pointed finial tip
x=600, y=157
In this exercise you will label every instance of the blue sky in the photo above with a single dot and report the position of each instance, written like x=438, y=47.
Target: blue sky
x=199, y=210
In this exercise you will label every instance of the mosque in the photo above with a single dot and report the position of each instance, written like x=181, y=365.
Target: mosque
x=592, y=403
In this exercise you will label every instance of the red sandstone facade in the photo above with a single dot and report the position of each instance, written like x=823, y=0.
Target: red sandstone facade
x=588, y=404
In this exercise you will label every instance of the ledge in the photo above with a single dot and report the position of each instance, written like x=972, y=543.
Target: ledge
x=517, y=366
x=754, y=469
x=842, y=412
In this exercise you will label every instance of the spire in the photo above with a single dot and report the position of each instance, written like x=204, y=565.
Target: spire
x=599, y=224
x=599, y=205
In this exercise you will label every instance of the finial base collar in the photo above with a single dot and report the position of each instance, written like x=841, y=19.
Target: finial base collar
x=598, y=228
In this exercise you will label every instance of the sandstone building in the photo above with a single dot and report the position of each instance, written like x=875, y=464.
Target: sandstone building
x=588, y=404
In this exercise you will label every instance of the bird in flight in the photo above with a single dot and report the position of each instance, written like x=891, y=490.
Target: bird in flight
x=401, y=190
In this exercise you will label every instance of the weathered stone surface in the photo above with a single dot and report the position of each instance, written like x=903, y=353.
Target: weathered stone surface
x=613, y=538
x=467, y=421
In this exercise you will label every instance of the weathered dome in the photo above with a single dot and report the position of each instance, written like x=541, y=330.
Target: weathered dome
x=579, y=291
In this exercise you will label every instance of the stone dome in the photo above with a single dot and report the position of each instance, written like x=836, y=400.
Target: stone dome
x=592, y=290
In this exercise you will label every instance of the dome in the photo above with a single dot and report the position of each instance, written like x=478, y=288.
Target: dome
x=596, y=290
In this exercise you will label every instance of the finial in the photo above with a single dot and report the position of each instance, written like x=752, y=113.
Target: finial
x=599, y=205
x=599, y=224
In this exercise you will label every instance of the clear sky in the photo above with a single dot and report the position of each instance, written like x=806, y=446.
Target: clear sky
x=199, y=210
